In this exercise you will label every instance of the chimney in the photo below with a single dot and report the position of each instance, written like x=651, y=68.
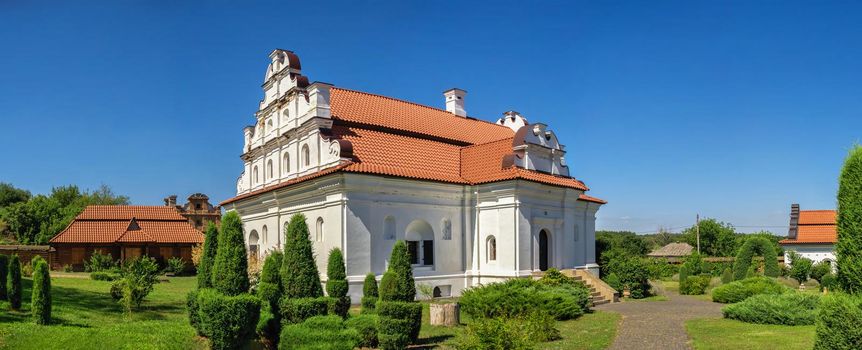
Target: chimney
x=171, y=201
x=455, y=101
x=794, y=221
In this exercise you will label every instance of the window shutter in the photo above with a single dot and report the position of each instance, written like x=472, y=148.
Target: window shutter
x=428, y=252
x=413, y=249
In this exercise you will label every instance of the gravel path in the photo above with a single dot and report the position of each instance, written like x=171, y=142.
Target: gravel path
x=658, y=324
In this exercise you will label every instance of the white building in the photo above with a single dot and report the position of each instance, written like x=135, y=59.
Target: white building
x=812, y=234
x=476, y=201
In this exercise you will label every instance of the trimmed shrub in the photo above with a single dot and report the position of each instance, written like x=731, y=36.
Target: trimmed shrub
x=194, y=311
x=299, y=276
x=138, y=279
x=269, y=289
x=494, y=334
x=40, y=303
x=176, y=265
x=753, y=245
x=726, y=276
x=518, y=297
x=839, y=323
x=336, y=283
x=300, y=309
x=228, y=321
x=230, y=269
x=820, y=269
x=369, y=293
x=104, y=276
x=15, y=283
x=789, y=309
x=735, y=292
x=849, y=223
x=398, y=323
x=694, y=285
x=366, y=328
x=800, y=267
x=208, y=257
x=4, y=272
x=684, y=272
x=830, y=282
x=320, y=332
x=401, y=287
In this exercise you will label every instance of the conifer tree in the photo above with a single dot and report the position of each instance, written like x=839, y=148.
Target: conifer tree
x=4, y=272
x=849, y=221
x=205, y=266
x=15, y=283
x=400, y=316
x=41, y=298
x=230, y=270
x=299, y=275
x=369, y=293
x=269, y=289
x=402, y=287
x=336, y=283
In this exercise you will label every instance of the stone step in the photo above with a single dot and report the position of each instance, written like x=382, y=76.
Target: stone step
x=600, y=302
x=596, y=294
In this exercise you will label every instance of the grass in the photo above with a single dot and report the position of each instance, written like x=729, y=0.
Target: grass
x=709, y=334
x=85, y=317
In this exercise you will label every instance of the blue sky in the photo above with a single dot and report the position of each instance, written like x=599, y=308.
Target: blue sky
x=730, y=109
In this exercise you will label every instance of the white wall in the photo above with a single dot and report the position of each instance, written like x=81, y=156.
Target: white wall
x=815, y=252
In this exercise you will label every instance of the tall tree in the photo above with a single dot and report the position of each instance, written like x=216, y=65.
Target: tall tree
x=716, y=238
x=10, y=194
x=849, y=246
x=230, y=270
x=40, y=302
x=205, y=266
x=15, y=283
x=397, y=283
x=299, y=275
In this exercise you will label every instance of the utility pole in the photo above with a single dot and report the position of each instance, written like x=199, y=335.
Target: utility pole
x=697, y=229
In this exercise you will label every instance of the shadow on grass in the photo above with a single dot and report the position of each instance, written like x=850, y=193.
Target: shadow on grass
x=431, y=342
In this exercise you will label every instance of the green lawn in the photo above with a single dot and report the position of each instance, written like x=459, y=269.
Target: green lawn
x=85, y=317
x=709, y=334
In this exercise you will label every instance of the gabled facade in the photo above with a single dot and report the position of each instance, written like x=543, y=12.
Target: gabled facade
x=476, y=201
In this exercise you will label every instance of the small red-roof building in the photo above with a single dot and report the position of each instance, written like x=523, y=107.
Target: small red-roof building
x=125, y=231
x=476, y=200
x=812, y=234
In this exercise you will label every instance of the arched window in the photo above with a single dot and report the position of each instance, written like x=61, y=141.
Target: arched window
x=264, y=236
x=446, y=228
x=253, y=239
x=420, y=243
x=491, y=249
x=306, y=157
x=389, y=228
x=286, y=114
x=269, y=171
x=269, y=125
x=285, y=164
x=318, y=234
x=255, y=176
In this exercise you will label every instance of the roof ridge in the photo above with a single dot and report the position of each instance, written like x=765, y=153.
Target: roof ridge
x=419, y=105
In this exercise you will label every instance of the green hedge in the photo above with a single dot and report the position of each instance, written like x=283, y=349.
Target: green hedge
x=398, y=322
x=268, y=327
x=726, y=276
x=300, y=309
x=366, y=328
x=752, y=246
x=829, y=282
x=740, y=290
x=228, y=321
x=839, y=323
x=494, y=333
x=319, y=332
x=519, y=297
x=789, y=309
x=369, y=294
x=194, y=311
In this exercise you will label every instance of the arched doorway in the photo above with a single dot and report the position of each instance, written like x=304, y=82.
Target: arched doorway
x=543, y=250
x=420, y=243
x=253, y=239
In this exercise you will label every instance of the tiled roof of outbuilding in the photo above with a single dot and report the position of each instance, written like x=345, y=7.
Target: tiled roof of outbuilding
x=126, y=223
x=815, y=227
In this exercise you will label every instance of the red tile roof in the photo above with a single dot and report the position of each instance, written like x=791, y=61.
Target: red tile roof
x=397, y=138
x=125, y=223
x=815, y=227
